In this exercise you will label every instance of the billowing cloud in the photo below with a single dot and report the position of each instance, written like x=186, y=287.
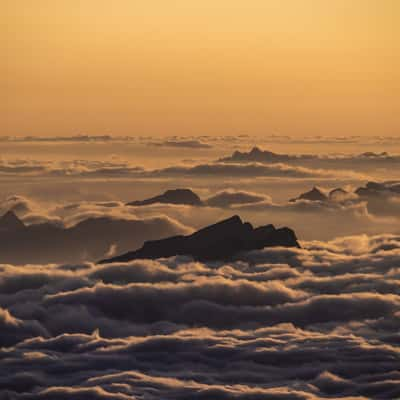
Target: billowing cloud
x=226, y=198
x=254, y=169
x=317, y=322
x=114, y=169
x=74, y=168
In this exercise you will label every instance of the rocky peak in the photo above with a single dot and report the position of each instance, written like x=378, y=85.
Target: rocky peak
x=10, y=222
x=220, y=241
x=315, y=194
x=172, y=196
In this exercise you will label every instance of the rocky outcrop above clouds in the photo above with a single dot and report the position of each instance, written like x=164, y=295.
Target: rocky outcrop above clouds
x=174, y=196
x=373, y=189
x=220, y=241
x=315, y=194
x=258, y=155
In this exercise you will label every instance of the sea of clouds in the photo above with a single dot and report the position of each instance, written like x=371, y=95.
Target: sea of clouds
x=318, y=322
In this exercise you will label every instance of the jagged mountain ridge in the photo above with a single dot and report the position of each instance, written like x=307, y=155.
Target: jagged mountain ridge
x=219, y=241
x=266, y=156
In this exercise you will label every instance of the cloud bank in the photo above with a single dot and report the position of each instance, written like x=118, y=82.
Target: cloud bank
x=124, y=169
x=312, y=323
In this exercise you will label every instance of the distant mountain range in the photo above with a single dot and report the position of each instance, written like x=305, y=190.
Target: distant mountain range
x=370, y=191
x=258, y=155
x=220, y=241
x=266, y=156
x=89, y=240
x=373, y=189
x=103, y=237
x=188, y=197
x=225, y=199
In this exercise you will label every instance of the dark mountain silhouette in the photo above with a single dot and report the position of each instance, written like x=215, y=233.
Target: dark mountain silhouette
x=89, y=240
x=314, y=194
x=266, y=156
x=175, y=196
x=10, y=222
x=220, y=241
x=366, y=162
x=257, y=155
x=375, y=189
x=381, y=197
x=370, y=192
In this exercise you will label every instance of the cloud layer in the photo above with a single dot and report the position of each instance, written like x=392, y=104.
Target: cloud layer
x=310, y=323
x=124, y=169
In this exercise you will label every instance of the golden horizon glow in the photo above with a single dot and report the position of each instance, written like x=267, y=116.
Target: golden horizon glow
x=297, y=67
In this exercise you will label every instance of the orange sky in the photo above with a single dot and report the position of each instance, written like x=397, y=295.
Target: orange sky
x=126, y=67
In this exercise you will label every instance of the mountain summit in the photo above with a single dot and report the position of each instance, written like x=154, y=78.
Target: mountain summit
x=257, y=155
x=315, y=194
x=220, y=241
x=175, y=196
x=10, y=222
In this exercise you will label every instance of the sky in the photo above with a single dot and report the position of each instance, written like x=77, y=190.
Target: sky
x=293, y=67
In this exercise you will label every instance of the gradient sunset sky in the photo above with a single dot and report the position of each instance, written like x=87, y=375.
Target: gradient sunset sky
x=156, y=67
